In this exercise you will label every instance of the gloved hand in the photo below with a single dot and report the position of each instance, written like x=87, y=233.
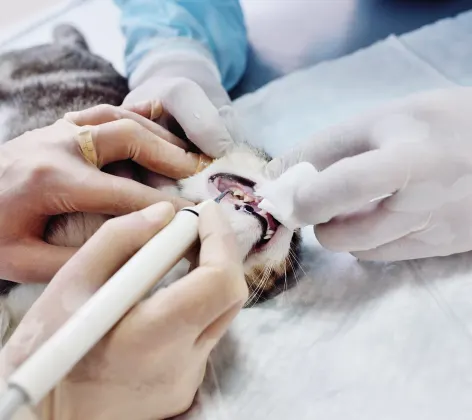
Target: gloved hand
x=187, y=86
x=43, y=173
x=152, y=363
x=418, y=149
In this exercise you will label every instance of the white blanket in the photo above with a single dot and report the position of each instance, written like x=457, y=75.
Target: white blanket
x=353, y=341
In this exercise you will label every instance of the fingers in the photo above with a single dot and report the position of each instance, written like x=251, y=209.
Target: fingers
x=198, y=117
x=218, y=242
x=140, y=114
x=111, y=246
x=126, y=139
x=217, y=329
x=351, y=138
x=148, y=109
x=350, y=184
x=33, y=261
x=210, y=295
x=112, y=195
x=404, y=249
x=400, y=120
x=369, y=230
x=327, y=147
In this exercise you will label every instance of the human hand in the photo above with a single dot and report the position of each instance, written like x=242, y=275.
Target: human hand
x=43, y=173
x=152, y=363
x=417, y=149
x=191, y=98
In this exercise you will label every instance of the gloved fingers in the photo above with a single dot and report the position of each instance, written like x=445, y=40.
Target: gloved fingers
x=232, y=123
x=350, y=184
x=359, y=135
x=198, y=117
x=154, y=111
x=108, y=194
x=141, y=113
x=325, y=148
x=369, y=229
x=126, y=139
x=212, y=293
x=33, y=260
x=403, y=249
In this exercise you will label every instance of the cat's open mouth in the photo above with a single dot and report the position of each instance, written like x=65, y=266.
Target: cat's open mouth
x=243, y=197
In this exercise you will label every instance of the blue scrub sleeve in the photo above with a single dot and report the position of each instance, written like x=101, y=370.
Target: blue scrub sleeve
x=217, y=25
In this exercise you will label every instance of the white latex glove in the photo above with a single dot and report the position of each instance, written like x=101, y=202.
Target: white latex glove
x=187, y=85
x=418, y=149
x=152, y=363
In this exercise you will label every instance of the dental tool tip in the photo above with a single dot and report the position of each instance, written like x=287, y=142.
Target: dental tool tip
x=223, y=195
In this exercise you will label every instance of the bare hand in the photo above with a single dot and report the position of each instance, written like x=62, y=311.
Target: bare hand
x=152, y=363
x=43, y=173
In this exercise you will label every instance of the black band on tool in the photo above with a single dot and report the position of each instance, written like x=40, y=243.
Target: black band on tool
x=191, y=211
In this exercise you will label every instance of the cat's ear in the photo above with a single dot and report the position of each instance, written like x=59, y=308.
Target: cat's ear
x=70, y=36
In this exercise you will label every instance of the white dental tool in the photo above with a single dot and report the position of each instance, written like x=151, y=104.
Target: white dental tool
x=45, y=368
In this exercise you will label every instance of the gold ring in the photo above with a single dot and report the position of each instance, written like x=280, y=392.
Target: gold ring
x=85, y=139
x=203, y=162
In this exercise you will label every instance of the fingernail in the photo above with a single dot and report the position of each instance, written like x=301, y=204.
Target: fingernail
x=160, y=212
x=155, y=108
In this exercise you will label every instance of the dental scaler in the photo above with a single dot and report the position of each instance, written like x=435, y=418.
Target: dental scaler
x=45, y=368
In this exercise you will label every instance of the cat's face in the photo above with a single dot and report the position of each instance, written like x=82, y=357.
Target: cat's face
x=270, y=250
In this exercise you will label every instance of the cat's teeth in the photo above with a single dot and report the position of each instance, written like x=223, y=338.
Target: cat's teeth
x=269, y=234
x=247, y=199
x=238, y=193
x=263, y=213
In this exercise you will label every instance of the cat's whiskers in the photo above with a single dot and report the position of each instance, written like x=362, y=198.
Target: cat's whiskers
x=259, y=282
x=270, y=269
x=254, y=289
x=268, y=272
x=291, y=262
x=285, y=288
x=259, y=289
x=295, y=259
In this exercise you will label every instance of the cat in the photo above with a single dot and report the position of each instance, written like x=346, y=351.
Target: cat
x=39, y=85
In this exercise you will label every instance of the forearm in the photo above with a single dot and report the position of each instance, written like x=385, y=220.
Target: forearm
x=211, y=30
